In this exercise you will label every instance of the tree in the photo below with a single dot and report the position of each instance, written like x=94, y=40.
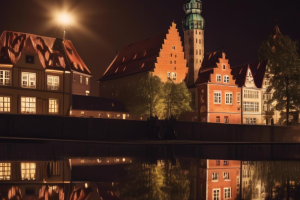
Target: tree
x=283, y=61
x=177, y=99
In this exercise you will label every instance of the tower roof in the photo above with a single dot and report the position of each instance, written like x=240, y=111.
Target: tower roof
x=193, y=19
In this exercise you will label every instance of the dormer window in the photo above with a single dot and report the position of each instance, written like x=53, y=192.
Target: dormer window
x=29, y=59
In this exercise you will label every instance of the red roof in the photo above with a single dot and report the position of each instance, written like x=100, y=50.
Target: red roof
x=54, y=53
x=136, y=57
x=258, y=70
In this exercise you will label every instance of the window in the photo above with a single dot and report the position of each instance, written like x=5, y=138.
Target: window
x=4, y=77
x=238, y=185
x=217, y=97
x=251, y=94
x=171, y=62
x=228, y=98
x=4, y=104
x=227, y=193
x=226, y=175
x=54, y=168
x=226, y=79
x=215, y=176
x=251, y=106
x=223, y=66
x=173, y=48
x=174, y=76
x=225, y=162
x=53, y=105
x=226, y=120
x=218, y=119
x=28, y=171
x=28, y=105
x=168, y=75
x=5, y=171
x=28, y=80
x=29, y=59
x=74, y=77
x=52, y=82
x=196, y=52
x=216, y=194
x=87, y=81
x=238, y=98
x=80, y=80
x=250, y=120
x=200, y=52
x=218, y=78
x=174, y=61
x=196, y=40
x=218, y=162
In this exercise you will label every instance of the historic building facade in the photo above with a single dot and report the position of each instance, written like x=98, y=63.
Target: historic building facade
x=38, y=75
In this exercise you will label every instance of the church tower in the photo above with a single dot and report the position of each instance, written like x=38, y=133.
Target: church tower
x=193, y=27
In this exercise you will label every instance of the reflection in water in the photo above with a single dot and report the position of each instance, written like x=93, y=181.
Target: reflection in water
x=166, y=180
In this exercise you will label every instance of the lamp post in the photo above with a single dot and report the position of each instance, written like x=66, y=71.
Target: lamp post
x=64, y=19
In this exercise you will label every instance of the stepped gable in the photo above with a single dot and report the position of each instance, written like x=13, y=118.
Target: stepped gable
x=135, y=58
x=54, y=53
x=209, y=63
x=96, y=103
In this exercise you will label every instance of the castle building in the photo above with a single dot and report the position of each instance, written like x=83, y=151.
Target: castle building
x=161, y=55
x=39, y=75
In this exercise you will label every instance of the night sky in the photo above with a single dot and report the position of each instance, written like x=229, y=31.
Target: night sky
x=105, y=26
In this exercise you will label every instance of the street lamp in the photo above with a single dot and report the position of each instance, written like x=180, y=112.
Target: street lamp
x=64, y=19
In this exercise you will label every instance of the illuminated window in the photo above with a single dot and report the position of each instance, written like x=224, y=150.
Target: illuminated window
x=53, y=106
x=28, y=105
x=228, y=98
x=227, y=193
x=52, y=82
x=168, y=75
x=218, y=162
x=87, y=93
x=250, y=120
x=226, y=175
x=218, y=78
x=28, y=80
x=215, y=176
x=238, y=98
x=4, y=77
x=5, y=171
x=217, y=97
x=218, y=119
x=80, y=79
x=174, y=76
x=4, y=104
x=87, y=81
x=28, y=171
x=226, y=79
x=216, y=194
x=226, y=121
x=225, y=162
x=251, y=106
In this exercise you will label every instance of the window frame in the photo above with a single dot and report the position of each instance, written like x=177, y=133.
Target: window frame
x=52, y=86
x=28, y=76
x=31, y=170
x=226, y=176
x=238, y=98
x=169, y=75
x=55, y=109
x=218, y=119
x=28, y=103
x=218, y=193
x=223, y=66
x=6, y=105
x=174, y=76
x=226, y=79
x=228, y=189
x=4, y=78
x=5, y=169
x=230, y=98
x=80, y=79
x=87, y=80
x=218, y=78
x=219, y=97
x=215, y=176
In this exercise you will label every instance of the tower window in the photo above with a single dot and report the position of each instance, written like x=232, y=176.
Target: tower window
x=174, y=61
x=173, y=47
x=171, y=55
x=199, y=51
x=199, y=32
x=199, y=41
x=196, y=52
x=224, y=66
x=175, y=56
x=196, y=40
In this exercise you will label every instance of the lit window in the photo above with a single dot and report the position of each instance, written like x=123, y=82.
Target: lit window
x=217, y=97
x=28, y=105
x=5, y=171
x=227, y=193
x=53, y=106
x=219, y=78
x=228, y=98
x=28, y=80
x=4, y=104
x=52, y=82
x=87, y=81
x=174, y=76
x=168, y=75
x=223, y=66
x=226, y=79
x=216, y=194
x=173, y=48
x=226, y=121
x=80, y=80
x=28, y=171
x=251, y=106
x=4, y=77
x=226, y=175
x=238, y=98
x=218, y=119
x=87, y=93
x=215, y=176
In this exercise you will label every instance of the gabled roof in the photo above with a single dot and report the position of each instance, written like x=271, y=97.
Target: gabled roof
x=258, y=70
x=54, y=53
x=209, y=63
x=97, y=103
x=136, y=57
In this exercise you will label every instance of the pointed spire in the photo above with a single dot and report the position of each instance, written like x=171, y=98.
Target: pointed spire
x=276, y=30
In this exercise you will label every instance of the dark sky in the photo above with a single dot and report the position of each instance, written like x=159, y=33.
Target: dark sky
x=105, y=26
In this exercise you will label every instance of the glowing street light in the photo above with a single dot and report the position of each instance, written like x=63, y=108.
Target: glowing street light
x=64, y=19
